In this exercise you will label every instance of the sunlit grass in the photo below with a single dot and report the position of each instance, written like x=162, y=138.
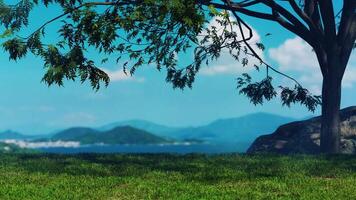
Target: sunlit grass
x=163, y=176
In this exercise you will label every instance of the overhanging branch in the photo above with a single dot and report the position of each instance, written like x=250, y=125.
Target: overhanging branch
x=240, y=22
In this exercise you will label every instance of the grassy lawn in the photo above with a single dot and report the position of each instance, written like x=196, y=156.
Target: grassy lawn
x=233, y=176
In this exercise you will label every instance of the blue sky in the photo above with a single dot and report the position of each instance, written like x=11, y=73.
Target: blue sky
x=29, y=106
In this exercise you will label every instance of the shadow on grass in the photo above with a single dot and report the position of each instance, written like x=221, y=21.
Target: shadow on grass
x=195, y=167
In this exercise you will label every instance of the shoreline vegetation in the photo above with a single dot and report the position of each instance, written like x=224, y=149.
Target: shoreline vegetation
x=172, y=176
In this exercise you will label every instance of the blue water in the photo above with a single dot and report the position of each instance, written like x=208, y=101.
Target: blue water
x=180, y=149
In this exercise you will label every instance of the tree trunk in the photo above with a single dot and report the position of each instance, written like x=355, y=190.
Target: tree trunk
x=330, y=122
x=330, y=136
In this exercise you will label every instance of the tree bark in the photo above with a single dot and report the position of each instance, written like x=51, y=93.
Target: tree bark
x=330, y=119
x=330, y=136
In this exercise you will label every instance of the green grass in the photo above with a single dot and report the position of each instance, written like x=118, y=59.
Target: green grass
x=234, y=176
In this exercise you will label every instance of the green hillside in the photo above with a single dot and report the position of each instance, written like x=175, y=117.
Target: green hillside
x=118, y=135
x=74, y=134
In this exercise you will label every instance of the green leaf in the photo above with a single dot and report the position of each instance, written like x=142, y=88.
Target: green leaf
x=7, y=33
x=213, y=10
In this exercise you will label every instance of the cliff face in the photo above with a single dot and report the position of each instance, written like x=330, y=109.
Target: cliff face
x=304, y=136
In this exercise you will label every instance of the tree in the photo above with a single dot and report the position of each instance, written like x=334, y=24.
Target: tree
x=144, y=32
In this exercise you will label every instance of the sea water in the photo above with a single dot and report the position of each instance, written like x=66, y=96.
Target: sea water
x=160, y=148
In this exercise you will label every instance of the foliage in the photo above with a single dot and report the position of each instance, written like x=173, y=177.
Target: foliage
x=264, y=90
x=137, y=33
x=162, y=176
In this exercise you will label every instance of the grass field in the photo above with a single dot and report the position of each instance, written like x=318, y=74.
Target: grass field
x=234, y=176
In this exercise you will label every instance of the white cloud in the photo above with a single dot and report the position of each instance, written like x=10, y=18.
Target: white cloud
x=226, y=64
x=119, y=75
x=296, y=56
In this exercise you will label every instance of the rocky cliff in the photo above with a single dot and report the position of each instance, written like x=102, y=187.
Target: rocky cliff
x=304, y=136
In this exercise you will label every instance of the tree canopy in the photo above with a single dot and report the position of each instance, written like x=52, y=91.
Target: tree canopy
x=144, y=32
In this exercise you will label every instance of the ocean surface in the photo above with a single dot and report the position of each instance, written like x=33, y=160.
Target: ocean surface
x=177, y=149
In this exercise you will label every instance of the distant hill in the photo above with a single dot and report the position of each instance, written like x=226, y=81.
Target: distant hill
x=13, y=135
x=9, y=134
x=143, y=125
x=232, y=130
x=74, y=134
x=118, y=135
x=245, y=128
x=241, y=131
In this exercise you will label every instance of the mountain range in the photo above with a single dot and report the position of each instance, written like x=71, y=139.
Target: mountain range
x=239, y=129
x=233, y=130
x=13, y=135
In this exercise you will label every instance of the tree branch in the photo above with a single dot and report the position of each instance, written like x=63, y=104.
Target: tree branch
x=246, y=3
x=237, y=8
x=327, y=14
x=347, y=30
x=300, y=30
x=311, y=9
x=285, y=13
x=346, y=20
x=80, y=6
x=313, y=27
x=240, y=21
